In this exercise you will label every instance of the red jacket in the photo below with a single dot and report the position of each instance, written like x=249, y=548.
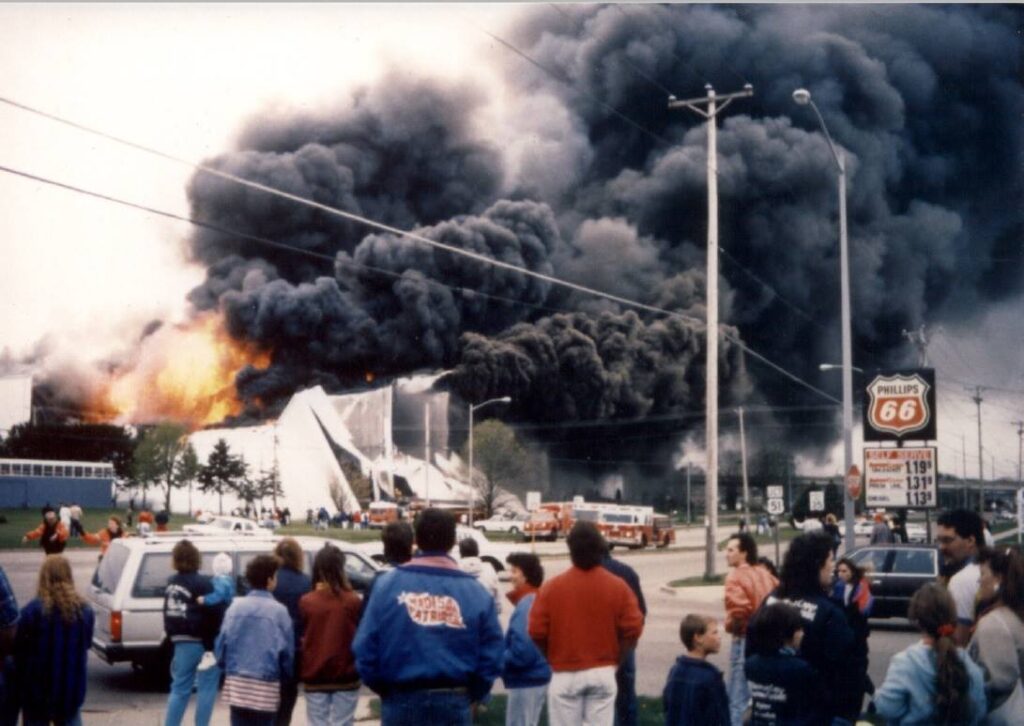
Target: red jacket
x=585, y=619
x=746, y=587
x=330, y=622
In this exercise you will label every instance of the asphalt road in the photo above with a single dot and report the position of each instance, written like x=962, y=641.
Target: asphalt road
x=117, y=695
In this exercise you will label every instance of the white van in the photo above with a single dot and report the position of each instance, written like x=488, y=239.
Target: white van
x=127, y=589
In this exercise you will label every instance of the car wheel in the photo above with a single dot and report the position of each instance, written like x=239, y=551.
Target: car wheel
x=514, y=531
x=553, y=536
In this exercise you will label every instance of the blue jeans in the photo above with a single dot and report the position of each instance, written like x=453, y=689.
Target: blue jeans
x=625, y=699
x=739, y=692
x=524, y=705
x=437, y=708
x=183, y=675
x=331, y=708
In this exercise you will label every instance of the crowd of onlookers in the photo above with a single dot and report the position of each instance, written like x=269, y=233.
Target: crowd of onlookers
x=800, y=641
x=426, y=637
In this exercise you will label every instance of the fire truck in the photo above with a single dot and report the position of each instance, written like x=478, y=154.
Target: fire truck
x=627, y=525
x=383, y=512
x=548, y=521
x=624, y=525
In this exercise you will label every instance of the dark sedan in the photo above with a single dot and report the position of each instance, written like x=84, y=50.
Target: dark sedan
x=895, y=572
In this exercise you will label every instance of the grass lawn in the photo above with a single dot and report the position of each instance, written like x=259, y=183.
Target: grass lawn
x=20, y=521
x=649, y=712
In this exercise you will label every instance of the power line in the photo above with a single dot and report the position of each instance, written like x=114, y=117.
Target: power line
x=349, y=262
x=415, y=236
x=564, y=81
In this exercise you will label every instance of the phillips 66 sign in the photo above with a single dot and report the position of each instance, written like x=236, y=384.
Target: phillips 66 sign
x=900, y=405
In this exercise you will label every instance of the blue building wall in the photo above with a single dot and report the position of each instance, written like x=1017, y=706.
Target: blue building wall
x=35, y=491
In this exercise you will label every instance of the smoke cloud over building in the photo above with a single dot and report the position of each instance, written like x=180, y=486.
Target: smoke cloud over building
x=925, y=102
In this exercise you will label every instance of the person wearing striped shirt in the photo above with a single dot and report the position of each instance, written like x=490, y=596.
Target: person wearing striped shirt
x=256, y=648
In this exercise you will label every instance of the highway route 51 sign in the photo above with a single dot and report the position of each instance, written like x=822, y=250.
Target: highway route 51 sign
x=900, y=406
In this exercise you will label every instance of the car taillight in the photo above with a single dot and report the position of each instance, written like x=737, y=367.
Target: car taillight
x=115, y=625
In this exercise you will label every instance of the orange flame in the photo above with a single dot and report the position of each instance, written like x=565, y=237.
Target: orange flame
x=184, y=374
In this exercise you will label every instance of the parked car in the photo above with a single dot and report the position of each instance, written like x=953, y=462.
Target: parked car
x=492, y=552
x=223, y=525
x=895, y=572
x=511, y=523
x=127, y=588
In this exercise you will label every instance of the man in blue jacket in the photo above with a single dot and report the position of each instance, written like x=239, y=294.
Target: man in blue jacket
x=429, y=642
x=626, y=709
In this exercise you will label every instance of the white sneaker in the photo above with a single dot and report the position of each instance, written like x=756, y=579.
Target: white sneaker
x=209, y=660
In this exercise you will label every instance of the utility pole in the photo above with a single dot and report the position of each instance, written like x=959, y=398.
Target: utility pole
x=689, y=511
x=919, y=339
x=981, y=462
x=1020, y=457
x=711, y=100
x=963, y=462
x=426, y=451
x=743, y=461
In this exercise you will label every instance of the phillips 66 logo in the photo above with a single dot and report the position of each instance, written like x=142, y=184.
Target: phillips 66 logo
x=900, y=404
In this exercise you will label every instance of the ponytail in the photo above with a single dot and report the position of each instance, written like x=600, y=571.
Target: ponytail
x=933, y=611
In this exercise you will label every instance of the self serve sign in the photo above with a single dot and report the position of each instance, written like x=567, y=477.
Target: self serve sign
x=900, y=406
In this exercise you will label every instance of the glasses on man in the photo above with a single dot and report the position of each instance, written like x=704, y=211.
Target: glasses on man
x=946, y=538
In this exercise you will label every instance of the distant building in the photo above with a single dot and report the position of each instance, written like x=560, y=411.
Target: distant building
x=15, y=400
x=321, y=443
x=30, y=483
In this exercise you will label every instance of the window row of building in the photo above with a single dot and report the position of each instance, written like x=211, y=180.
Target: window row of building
x=63, y=469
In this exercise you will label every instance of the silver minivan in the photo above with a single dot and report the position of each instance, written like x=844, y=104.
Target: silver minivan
x=127, y=589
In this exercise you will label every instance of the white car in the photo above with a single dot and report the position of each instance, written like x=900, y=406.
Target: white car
x=491, y=552
x=224, y=525
x=511, y=524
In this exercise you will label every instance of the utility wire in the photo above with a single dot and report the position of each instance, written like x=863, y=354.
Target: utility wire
x=566, y=82
x=272, y=243
x=418, y=237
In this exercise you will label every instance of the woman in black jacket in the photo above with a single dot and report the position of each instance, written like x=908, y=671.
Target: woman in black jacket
x=828, y=639
x=188, y=627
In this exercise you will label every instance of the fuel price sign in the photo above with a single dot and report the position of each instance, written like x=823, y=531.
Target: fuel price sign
x=901, y=478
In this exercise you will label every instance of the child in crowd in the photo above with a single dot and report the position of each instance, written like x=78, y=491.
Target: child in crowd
x=784, y=688
x=932, y=682
x=222, y=595
x=695, y=690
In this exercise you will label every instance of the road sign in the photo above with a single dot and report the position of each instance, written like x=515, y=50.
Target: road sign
x=775, y=506
x=532, y=501
x=775, y=492
x=900, y=405
x=853, y=482
x=901, y=477
x=816, y=502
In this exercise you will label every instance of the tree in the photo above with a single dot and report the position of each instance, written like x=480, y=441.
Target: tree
x=248, y=491
x=269, y=485
x=500, y=462
x=222, y=472
x=73, y=442
x=186, y=469
x=156, y=456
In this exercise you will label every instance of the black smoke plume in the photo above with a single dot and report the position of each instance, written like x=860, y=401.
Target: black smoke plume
x=925, y=103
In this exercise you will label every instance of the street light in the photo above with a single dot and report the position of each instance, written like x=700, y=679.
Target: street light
x=803, y=98
x=472, y=408
x=834, y=367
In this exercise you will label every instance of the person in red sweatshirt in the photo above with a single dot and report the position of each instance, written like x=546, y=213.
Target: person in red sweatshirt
x=584, y=621
x=52, y=534
x=330, y=614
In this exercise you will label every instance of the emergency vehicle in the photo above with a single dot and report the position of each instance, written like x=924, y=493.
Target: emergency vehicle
x=381, y=513
x=626, y=525
x=548, y=521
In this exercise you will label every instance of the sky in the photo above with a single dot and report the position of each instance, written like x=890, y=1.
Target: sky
x=85, y=275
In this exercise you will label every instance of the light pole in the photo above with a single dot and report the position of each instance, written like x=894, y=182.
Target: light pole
x=803, y=97
x=472, y=490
